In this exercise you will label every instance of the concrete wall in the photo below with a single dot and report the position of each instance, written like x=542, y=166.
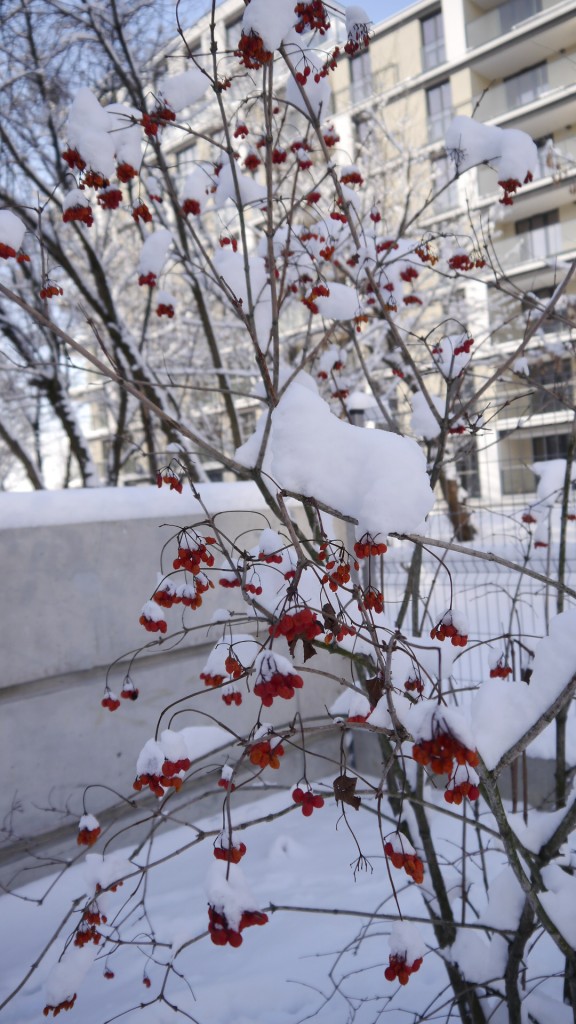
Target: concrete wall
x=73, y=588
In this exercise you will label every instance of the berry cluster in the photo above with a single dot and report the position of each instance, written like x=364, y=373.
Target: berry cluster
x=94, y=179
x=372, y=600
x=464, y=261
x=330, y=136
x=319, y=290
x=73, y=159
x=278, y=685
x=222, y=934
x=66, y=1004
x=110, y=701
x=171, y=479
x=191, y=558
x=411, y=862
x=170, y=778
x=83, y=214
x=87, y=930
x=457, y=791
x=307, y=800
x=129, y=691
x=500, y=670
x=301, y=625
x=230, y=854
x=464, y=347
x=125, y=172
x=510, y=187
x=312, y=16
x=446, y=630
x=231, y=696
x=165, y=309
x=527, y=517
x=367, y=547
x=264, y=755
x=210, y=680
x=50, y=290
x=414, y=685
x=426, y=253
x=441, y=752
x=340, y=630
x=191, y=206
x=156, y=119
x=352, y=177
x=153, y=625
x=252, y=161
x=399, y=968
x=88, y=836
x=337, y=575
x=251, y=51
x=148, y=280
x=110, y=199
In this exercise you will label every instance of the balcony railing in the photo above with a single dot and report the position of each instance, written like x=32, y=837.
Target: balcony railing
x=538, y=245
x=503, y=19
x=549, y=80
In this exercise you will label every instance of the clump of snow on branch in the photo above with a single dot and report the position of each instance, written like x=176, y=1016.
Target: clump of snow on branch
x=183, y=90
x=511, y=152
x=520, y=706
x=377, y=477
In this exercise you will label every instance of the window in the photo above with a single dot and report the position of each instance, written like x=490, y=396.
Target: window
x=433, y=50
x=363, y=127
x=552, y=391
x=468, y=471
x=233, y=31
x=527, y=86
x=442, y=173
x=515, y=11
x=540, y=235
x=360, y=76
x=550, y=446
x=439, y=109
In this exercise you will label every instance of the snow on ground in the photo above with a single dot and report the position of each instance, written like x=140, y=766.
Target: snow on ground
x=280, y=974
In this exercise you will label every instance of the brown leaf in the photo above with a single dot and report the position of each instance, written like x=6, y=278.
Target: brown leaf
x=374, y=689
x=344, y=789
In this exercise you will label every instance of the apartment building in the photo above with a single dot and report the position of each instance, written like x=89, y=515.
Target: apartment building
x=508, y=64
x=513, y=65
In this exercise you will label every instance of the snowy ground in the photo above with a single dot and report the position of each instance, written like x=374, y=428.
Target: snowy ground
x=299, y=965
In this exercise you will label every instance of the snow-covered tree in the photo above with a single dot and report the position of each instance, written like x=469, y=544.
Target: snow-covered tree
x=315, y=307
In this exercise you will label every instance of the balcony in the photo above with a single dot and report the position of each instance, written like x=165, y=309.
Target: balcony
x=503, y=19
x=538, y=245
x=548, y=81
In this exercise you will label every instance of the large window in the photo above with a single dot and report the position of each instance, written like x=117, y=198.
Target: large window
x=443, y=178
x=233, y=31
x=526, y=86
x=553, y=391
x=515, y=11
x=439, y=109
x=550, y=446
x=539, y=234
x=433, y=49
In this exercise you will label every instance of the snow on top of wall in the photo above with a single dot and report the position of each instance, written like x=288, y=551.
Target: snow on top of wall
x=108, y=504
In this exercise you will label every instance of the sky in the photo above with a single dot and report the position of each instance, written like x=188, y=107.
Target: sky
x=376, y=9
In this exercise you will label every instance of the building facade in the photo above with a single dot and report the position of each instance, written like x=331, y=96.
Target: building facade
x=506, y=64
